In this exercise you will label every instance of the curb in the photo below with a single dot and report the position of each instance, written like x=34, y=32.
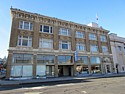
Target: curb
x=59, y=80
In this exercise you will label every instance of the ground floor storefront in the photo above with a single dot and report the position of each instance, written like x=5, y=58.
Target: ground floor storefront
x=27, y=65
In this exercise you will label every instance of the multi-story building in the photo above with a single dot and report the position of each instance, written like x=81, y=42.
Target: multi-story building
x=42, y=46
x=118, y=51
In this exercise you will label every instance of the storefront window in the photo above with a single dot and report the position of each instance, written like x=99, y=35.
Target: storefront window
x=22, y=58
x=94, y=60
x=27, y=70
x=16, y=71
x=95, y=64
x=45, y=59
x=82, y=70
x=50, y=71
x=41, y=70
x=21, y=71
x=95, y=69
x=64, y=59
x=83, y=59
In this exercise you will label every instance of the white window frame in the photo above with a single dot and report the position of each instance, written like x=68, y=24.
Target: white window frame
x=49, y=29
x=61, y=30
x=103, y=38
x=49, y=41
x=92, y=36
x=65, y=42
x=95, y=49
x=79, y=34
x=28, y=26
x=22, y=38
x=104, y=49
x=82, y=45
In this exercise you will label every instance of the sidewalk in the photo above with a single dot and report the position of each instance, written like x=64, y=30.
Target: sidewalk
x=49, y=80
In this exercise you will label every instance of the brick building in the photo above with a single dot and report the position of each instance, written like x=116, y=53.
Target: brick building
x=42, y=46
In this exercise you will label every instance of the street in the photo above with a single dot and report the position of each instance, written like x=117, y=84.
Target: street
x=114, y=85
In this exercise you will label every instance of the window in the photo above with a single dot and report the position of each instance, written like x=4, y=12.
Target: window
x=79, y=34
x=95, y=60
x=80, y=46
x=92, y=37
x=50, y=71
x=64, y=59
x=124, y=50
x=65, y=45
x=25, y=41
x=22, y=58
x=104, y=49
x=93, y=48
x=26, y=25
x=41, y=70
x=45, y=59
x=46, y=29
x=103, y=38
x=83, y=59
x=21, y=71
x=119, y=48
x=46, y=43
x=64, y=32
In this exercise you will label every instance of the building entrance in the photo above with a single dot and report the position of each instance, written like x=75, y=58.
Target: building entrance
x=108, y=69
x=64, y=70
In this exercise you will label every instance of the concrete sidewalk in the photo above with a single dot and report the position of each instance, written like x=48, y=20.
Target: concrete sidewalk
x=59, y=79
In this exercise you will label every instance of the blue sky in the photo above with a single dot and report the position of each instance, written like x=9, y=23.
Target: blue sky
x=111, y=14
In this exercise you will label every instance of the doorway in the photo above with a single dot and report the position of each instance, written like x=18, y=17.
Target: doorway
x=108, y=68
x=64, y=70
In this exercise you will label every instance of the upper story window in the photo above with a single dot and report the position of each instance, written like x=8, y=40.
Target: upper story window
x=80, y=46
x=92, y=37
x=22, y=58
x=65, y=45
x=79, y=34
x=103, y=38
x=46, y=43
x=46, y=29
x=104, y=49
x=119, y=48
x=26, y=25
x=93, y=48
x=64, y=32
x=25, y=41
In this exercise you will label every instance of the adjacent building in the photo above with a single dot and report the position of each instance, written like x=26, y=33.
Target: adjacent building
x=42, y=46
x=118, y=51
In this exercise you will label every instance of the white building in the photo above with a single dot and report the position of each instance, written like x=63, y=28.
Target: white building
x=118, y=52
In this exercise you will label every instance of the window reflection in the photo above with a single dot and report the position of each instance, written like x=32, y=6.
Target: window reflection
x=83, y=59
x=45, y=59
x=64, y=59
x=22, y=58
x=21, y=71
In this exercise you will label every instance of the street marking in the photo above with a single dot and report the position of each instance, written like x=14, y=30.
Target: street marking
x=83, y=91
x=64, y=84
x=35, y=88
x=33, y=93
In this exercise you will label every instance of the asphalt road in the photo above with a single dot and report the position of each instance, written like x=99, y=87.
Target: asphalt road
x=114, y=85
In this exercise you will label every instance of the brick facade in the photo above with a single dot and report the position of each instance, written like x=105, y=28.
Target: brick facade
x=37, y=20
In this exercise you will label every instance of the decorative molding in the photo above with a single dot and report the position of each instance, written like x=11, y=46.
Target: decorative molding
x=17, y=13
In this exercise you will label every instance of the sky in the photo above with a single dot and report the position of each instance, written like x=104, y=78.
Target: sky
x=111, y=14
